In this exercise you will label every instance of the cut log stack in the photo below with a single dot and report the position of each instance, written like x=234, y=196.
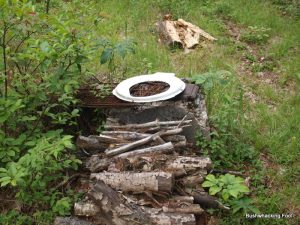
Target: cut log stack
x=142, y=174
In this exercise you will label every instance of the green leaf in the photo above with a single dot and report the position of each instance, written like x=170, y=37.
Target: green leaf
x=3, y=170
x=211, y=177
x=11, y=153
x=4, y=183
x=233, y=192
x=208, y=184
x=225, y=195
x=121, y=50
x=45, y=46
x=106, y=55
x=214, y=190
x=5, y=179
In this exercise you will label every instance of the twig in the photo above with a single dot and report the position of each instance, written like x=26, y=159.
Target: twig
x=64, y=182
x=183, y=119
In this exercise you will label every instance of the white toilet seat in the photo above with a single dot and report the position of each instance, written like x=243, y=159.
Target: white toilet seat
x=122, y=91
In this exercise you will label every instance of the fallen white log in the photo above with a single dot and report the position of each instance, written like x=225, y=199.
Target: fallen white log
x=128, y=181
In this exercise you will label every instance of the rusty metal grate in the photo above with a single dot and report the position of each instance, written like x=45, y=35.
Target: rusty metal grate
x=88, y=99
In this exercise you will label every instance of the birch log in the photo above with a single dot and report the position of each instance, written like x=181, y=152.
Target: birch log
x=86, y=209
x=189, y=163
x=163, y=148
x=127, y=181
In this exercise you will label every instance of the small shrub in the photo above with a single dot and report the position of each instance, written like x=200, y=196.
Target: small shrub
x=226, y=186
x=231, y=190
x=255, y=35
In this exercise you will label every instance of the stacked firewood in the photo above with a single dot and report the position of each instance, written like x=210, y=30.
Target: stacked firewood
x=143, y=173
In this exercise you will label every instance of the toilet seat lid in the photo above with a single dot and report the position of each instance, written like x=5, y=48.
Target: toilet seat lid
x=122, y=91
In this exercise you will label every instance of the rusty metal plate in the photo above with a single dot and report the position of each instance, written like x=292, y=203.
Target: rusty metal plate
x=88, y=99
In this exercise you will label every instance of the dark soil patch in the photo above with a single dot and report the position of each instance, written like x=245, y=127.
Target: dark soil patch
x=148, y=88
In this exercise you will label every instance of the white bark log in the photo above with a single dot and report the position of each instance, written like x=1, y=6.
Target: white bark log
x=127, y=135
x=127, y=181
x=86, y=209
x=158, y=149
x=188, y=163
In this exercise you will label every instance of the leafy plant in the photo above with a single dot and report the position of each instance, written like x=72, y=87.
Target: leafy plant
x=112, y=51
x=245, y=205
x=256, y=35
x=231, y=189
x=227, y=186
x=33, y=172
x=62, y=206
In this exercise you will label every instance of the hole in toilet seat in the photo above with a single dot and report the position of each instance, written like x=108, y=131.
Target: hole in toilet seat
x=148, y=88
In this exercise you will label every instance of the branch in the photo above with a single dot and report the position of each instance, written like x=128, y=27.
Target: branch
x=23, y=40
x=38, y=66
x=19, y=68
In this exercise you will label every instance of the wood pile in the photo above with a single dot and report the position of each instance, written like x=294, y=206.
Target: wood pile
x=142, y=174
x=181, y=33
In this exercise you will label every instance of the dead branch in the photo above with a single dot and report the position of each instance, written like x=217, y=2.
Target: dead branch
x=164, y=148
x=127, y=135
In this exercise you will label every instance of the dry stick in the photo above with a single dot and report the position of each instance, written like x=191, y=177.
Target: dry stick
x=183, y=119
x=164, y=148
x=107, y=139
x=146, y=125
x=132, y=145
x=127, y=135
